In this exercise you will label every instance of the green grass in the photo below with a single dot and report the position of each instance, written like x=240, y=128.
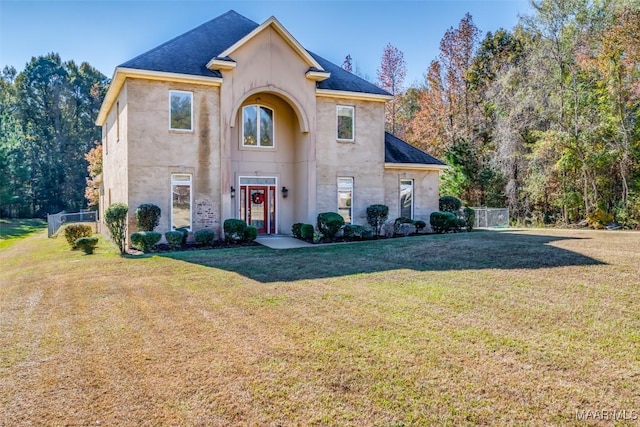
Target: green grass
x=12, y=230
x=490, y=328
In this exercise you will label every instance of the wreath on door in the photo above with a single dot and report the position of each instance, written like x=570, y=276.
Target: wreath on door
x=257, y=198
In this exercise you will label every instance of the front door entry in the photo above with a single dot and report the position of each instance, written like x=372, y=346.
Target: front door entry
x=258, y=207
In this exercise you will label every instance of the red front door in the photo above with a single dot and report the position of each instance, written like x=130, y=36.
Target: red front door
x=257, y=207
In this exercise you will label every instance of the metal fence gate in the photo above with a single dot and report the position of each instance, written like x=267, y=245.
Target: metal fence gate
x=55, y=221
x=492, y=217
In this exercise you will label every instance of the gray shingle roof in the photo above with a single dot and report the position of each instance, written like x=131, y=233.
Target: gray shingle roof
x=399, y=151
x=190, y=52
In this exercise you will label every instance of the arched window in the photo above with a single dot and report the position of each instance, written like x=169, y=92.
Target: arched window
x=257, y=126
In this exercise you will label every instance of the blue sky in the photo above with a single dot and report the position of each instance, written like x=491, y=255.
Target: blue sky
x=106, y=33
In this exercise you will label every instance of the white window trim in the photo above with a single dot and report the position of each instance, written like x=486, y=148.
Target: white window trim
x=413, y=200
x=351, y=208
x=181, y=182
x=191, y=96
x=353, y=123
x=273, y=119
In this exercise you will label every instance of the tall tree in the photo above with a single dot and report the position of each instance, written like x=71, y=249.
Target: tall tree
x=391, y=75
x=57, y=103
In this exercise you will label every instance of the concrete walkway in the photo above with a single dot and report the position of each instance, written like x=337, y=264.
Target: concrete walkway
x=282, y=242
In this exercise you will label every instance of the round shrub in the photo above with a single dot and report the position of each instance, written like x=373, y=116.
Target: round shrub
x=376, y=216
x=420, y=225
x=234, y=229
x=204, y=237
x=87, y=244
x=306, y=232
x=73, y=232
x=449, y=204
x=116, y=219
x=250, y=233
x=174, y=238
x=295, y=230
x=443, y=222
x=147, y=217
x=329, y=223
x=145, y=240
x=185, y=234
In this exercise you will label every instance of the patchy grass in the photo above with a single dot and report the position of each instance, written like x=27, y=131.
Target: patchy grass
x=507, y=328
x=12, y=230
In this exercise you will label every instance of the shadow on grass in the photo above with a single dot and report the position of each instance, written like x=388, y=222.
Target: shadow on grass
x=468, y=251
x=17, y=228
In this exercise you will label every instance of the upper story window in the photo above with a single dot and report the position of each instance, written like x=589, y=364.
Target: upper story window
x=181, y=110
x=346, y=122
x=257, y=126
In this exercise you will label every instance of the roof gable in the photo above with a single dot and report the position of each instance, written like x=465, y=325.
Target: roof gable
x=279, y=28
x=399, y=151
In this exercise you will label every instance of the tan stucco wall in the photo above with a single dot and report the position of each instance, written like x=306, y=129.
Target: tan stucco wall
x=361, y=159
x=425, y=192
x=270, y=72
x=155, y=151
x=115, y=156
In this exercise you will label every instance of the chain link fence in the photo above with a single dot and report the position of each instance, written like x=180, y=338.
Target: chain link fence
x=56, y=221
x=492, y=217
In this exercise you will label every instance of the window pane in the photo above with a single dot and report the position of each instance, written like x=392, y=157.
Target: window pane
x=266, y=127
x=249, y=117
x=181, y=206
x=406, y=198
x=181, y=110
x=345, y=122
x=345, y=193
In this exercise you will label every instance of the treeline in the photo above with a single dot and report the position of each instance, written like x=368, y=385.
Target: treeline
x=543, y=119
x=47, y=115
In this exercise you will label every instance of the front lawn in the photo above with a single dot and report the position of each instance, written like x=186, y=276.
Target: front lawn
x=508, y=328
x=12, y=230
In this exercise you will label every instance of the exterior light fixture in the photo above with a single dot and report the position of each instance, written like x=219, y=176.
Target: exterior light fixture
x=285, y=192
x=233, y=192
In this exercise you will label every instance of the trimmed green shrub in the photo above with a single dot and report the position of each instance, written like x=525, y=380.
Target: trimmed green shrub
x=147, y=217
x=174, y=238
x=73, y=232
x=449, y=204
x=353, y=231
x=145, y=240
x=367, y=234
x=116, y=219
x=295, y=230
x=420, y=225
x=87, y=244
x=185, y=234
x=204, y=237
x=250, y=233
x=443, y=222
x=234, y=229
x=376, y=216
x=306, y=232
x=329, y=223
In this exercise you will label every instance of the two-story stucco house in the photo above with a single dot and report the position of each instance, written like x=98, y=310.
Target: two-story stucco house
x=237, y=120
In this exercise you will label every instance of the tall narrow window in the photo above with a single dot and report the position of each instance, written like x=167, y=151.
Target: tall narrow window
x=181, y=201
x=346, y=122
x=345, y=198
x=406, y=198
x=257, y=126
x=181, y=110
